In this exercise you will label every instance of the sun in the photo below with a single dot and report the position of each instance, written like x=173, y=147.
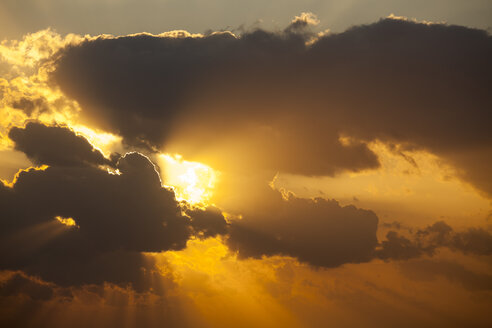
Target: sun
x=192, y=181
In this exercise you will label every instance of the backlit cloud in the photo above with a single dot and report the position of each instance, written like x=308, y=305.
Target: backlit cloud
x=293, y=177
x=407, y=83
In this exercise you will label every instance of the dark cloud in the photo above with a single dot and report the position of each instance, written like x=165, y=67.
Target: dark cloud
x=398, y=247
x=218, y=85
x=425, y=86
x=316, y=231
x=22, y=296
x=300, y=24
x=25, y=300
x=323, y=233
x=282, y=105
x=117, y=216
x=16, y=283
x=208, y=222
x=55, y=145
x=29, y=105
x=476, y=241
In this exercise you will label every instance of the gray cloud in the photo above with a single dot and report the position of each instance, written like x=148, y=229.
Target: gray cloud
x=476, y=241
x=397, y=81
x=208, y=222
x=423, y=86
x=319, y=232
x=18, y=283
x=55, y=145
x=117, y=216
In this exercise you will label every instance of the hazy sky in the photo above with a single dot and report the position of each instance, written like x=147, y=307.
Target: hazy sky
x=237, y=164
x=131, y=16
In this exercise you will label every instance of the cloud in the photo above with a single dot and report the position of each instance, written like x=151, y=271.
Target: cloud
x=316, y=231
x=476, y=241
x=26, y=299
x=390, y=80
x=54, y=145
x=323, y=233
x=24, y=90
x=116, y=216
x=208, y=222
x=259, y=102
x=161, y=81
x=398, y=247
x=16, y=283
x=300, y=23
x=424, y=86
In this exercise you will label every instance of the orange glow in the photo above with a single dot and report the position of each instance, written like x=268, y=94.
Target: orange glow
x=222, y=288
x=410, y=186
x=77, y=234
x=192, y=181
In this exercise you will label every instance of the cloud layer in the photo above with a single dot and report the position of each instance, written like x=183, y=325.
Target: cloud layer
x=395, y=80
x=83, y=225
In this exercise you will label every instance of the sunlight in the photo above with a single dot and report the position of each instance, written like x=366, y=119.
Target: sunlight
x=11, y=184
x=103, y=141
x=192, y=181
x=222, y=288
x=69, y=222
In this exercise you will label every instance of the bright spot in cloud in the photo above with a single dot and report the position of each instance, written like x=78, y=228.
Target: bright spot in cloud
x=192, y=181
x=103, y=141
x=69, y=222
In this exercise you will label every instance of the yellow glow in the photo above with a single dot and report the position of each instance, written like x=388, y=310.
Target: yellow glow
x=103, y=141
x=410, y=187
x=222, y=288
x=201, y=256
x=26, y=66
x=14, y=180
x=35, y=47
x=69, y=222
x=192, y=181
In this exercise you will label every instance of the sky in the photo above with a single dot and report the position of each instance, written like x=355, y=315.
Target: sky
x=121, y=17
x=245, y=164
